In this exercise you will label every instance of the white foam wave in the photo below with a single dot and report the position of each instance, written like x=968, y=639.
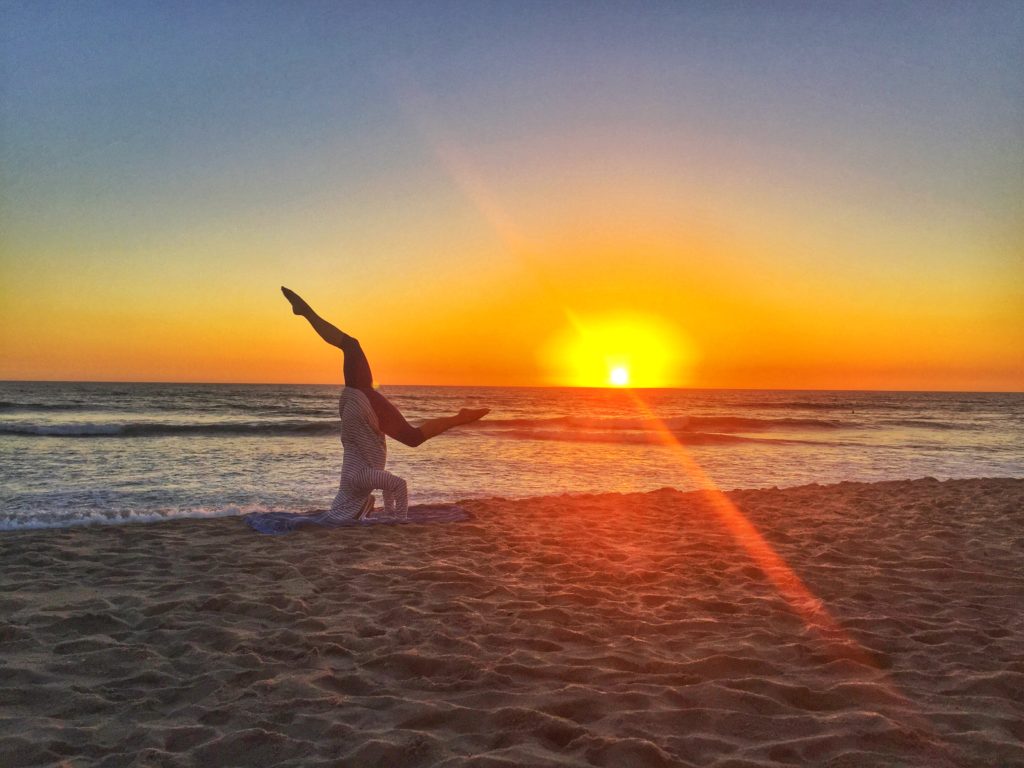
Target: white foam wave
x=73, y=519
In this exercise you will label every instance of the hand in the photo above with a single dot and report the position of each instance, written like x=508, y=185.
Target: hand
x=299, y=306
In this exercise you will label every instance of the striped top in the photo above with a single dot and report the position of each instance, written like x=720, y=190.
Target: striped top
x=361, y=436
x=362, y=468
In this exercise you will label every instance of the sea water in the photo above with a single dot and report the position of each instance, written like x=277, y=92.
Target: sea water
x=73, y=453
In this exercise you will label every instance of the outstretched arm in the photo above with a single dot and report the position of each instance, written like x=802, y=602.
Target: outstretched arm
x=327, y=332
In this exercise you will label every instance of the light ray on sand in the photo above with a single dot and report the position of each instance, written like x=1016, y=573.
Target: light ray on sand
x=810, y=608
x=789, y=585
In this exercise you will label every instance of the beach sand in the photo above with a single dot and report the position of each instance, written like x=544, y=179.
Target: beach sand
x=609, y=630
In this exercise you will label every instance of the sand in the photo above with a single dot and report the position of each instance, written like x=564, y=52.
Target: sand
x=610, y=630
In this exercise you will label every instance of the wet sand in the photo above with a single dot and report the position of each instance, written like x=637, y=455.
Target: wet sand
x=850, y=625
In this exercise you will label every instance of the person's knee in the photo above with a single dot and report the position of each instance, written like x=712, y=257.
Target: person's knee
x=420, y=437
x=414, y=437
x=406, y=434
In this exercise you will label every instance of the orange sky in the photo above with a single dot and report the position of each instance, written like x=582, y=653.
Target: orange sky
x=483, y=207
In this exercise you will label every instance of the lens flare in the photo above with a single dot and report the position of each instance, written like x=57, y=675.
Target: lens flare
x=589, y=353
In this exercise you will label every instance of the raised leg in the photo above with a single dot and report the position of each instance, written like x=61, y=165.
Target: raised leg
x=433, y=427
x=356, y=367
x=393, y=423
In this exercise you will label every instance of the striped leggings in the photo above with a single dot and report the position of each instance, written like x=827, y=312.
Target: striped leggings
x=359, y=483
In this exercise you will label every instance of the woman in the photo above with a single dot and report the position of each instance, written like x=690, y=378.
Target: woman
x=366, y=416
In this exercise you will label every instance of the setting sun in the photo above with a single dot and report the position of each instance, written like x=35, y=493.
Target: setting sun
x=619, y=350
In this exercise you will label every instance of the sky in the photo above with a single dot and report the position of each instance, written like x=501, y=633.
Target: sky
x=728, y=194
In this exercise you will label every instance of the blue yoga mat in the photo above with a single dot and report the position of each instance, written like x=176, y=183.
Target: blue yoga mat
x=274, y=523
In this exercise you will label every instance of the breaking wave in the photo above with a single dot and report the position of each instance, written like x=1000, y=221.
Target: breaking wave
x=674, y=424
x=151, y=429
x=693, y=428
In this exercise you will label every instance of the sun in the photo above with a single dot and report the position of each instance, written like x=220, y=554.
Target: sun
x=619, y=376
x=618, y=350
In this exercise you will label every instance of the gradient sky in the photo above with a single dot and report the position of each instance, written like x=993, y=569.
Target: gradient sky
x=796, y=195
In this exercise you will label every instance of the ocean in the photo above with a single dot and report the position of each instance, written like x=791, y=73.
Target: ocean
x=78, y=453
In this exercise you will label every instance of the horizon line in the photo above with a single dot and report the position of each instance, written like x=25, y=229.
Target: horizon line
x=512, y=386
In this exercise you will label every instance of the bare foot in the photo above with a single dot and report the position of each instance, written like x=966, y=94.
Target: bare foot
x=466, y=415
x=299, y=306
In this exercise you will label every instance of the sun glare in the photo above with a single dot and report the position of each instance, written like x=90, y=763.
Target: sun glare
x=619, y=351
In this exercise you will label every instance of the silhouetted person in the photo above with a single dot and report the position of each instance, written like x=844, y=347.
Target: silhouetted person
x=366, y=415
